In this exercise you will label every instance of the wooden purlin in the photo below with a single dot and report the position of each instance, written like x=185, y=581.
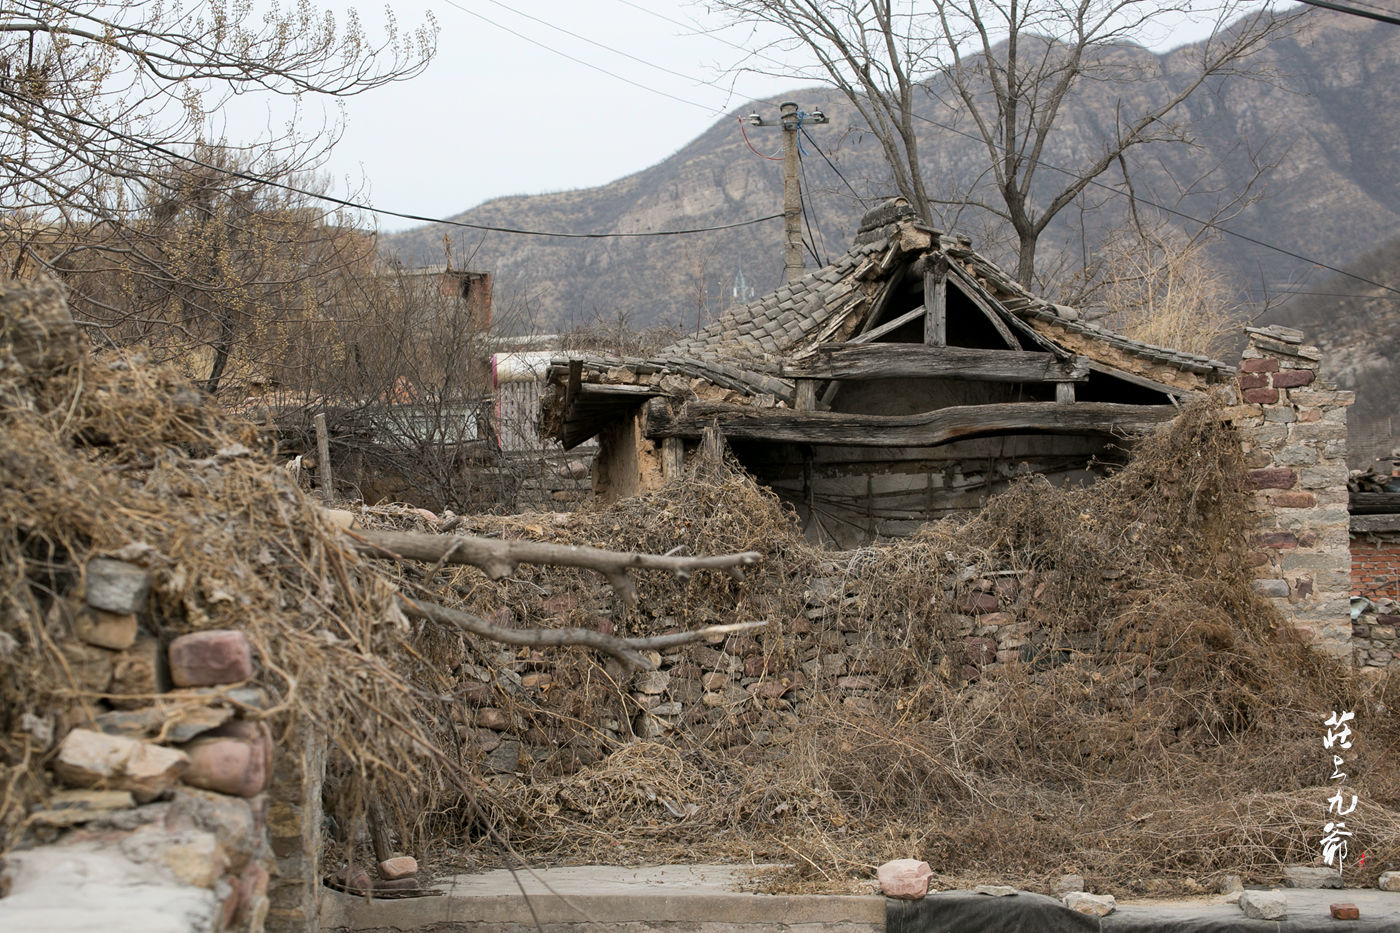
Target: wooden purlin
x=906, y=360
x=926, y=429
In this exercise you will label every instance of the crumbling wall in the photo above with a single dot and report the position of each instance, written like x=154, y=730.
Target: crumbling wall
x=1294, y=433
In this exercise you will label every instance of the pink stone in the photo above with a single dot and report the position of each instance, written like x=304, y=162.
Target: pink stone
x=1275, y=478
x=401, y=866
x=905, y=878
x=255, y=732
x=1261, y=396
x=206, y=659
x=978, y=603
x=1265, y=365
x=227, y=765
x=251, y=887
x=1292, y=378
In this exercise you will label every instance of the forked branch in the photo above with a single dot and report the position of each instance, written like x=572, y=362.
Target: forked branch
x=498, y=559
x=627, y=650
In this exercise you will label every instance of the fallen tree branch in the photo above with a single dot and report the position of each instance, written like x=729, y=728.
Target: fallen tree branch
x=626, y=650
x=498, y=559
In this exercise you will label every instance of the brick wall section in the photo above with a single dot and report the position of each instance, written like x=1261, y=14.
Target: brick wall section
x=1293, y=430
x=1375, y=565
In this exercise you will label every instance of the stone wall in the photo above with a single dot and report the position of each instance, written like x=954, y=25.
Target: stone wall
x=159, y=818
x=739, y=693
x=1374, y=633
x=1293, y=431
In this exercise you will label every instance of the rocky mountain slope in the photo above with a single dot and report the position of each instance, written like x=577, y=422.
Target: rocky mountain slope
x=1357, y=326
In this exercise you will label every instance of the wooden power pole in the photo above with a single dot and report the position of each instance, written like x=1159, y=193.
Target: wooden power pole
x=791, y=120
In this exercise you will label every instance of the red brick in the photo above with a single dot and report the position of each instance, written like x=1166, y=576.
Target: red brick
x=1254, y=380
x=1261, y=396
x=1272, y=478
x=1265, y=365
x=1293, y=377
x=1295, y=500
x=1345, y=912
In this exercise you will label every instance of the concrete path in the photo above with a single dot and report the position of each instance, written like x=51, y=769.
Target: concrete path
x=693, y=898
x=706, y=899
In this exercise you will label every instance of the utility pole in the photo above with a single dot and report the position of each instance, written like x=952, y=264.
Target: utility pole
x=791, y=119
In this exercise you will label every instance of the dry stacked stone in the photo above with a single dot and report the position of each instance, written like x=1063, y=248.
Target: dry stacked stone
x=168, y=767
x=1294, y=433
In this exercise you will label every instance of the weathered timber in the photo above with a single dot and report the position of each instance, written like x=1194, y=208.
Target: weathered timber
x=672, y=457
x=927, y=429
x=936, y=304
x=1064, y=392
x=805, y=395
x=910, y=360
x=1374, y=503
x=973, y=291
x=1363, y=524
x=627, y=650
x=877, y=332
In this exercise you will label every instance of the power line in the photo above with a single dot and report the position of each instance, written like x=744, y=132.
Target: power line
x=863, y=201
x=580, y=61
x=594, y=42
x=354, y=205
x=809, y=207
x=1353, y=11
x=1209, y=224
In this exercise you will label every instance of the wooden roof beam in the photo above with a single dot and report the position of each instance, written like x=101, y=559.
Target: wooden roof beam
x=926, y=429
x=865, y=361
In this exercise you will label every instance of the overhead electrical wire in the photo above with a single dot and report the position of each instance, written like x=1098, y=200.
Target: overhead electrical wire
x=603, y=46
x=1379, y=17
x=804, y=193
x=854, y=192
x=355, y=205
x=743, y=129
x=1209, y=224
x=580, y=61
x=1325, y=4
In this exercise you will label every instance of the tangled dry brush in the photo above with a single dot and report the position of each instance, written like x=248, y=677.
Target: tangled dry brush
x=1159, y=725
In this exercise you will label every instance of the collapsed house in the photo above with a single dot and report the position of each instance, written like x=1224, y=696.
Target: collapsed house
x=909, y=379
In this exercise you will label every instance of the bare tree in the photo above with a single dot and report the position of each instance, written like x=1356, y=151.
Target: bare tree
x=1010, y=67
x=94, y=96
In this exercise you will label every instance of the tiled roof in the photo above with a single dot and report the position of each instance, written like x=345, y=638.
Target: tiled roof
x=742, y=349
x=763, y=331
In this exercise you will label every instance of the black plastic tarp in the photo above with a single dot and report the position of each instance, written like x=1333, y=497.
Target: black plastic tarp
x=967, y=912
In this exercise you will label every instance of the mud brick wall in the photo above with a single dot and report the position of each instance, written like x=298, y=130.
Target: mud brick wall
x=1294, y=434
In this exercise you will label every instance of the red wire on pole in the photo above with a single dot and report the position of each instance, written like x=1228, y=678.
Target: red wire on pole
x=750, y=145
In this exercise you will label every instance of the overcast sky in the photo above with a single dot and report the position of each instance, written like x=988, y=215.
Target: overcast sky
x=497, y=113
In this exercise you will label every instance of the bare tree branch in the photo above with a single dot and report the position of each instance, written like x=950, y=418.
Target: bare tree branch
x=627, y=650
x=497, y=558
